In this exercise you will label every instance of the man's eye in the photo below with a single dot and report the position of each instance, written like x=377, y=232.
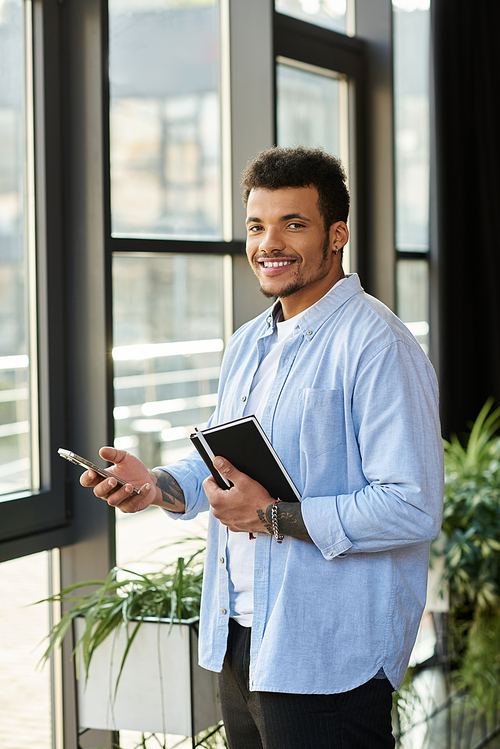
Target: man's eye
x=295, y=225
x=254, y=228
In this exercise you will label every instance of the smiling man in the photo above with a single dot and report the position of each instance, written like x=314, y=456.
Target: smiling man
x=310, y=609
x=294, y=256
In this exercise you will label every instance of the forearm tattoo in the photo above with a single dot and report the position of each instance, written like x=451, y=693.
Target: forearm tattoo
x=171, y=492
x=265, y=522
x=290, y=520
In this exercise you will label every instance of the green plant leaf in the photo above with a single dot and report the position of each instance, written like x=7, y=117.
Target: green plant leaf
x=470, y=547
x=124, y=599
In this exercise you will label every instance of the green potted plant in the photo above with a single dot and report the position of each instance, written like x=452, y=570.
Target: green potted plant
x=135, y=650
x=465, y=559
x=471, y=552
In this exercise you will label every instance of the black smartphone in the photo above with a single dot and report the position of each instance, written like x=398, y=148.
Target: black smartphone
x=84, y=463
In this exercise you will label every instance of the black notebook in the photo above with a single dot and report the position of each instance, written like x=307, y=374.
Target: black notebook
x=245, y=444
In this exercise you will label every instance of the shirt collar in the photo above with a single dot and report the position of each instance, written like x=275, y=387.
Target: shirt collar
x=315, y=316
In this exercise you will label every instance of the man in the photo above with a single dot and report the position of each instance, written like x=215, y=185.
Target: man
x=311, y=623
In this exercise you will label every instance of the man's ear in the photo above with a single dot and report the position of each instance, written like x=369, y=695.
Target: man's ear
x=339, y=234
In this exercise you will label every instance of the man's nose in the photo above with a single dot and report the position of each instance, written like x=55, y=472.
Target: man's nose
x=272, y=240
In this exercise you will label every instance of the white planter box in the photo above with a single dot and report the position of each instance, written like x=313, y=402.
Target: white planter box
x=162, y=663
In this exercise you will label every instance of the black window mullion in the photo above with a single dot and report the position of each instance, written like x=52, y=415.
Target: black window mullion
x=161, y=246
x=316, y=45
x=412, y=254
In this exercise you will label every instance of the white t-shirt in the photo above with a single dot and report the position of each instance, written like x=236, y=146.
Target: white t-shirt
x=240, y=547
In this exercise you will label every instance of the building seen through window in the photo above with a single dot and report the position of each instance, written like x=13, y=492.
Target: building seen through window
x=309, y=104
x=167, y=351
x=169, y=309
x=165, y=118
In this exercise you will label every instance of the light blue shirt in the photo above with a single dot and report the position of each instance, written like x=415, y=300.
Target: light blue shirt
x=353, y=415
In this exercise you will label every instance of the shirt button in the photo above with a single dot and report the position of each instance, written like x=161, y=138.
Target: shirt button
x=243, y=398
x=269, y=320
x=223, y=611
x=221, y=560
x=330, y=553
x=309, y=332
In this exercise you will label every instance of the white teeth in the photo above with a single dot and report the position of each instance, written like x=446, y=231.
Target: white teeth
x=276, y=264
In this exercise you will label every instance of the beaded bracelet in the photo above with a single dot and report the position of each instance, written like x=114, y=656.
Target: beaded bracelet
x=274, y=522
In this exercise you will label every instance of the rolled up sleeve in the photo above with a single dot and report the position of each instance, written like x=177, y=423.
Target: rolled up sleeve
x=394, y=417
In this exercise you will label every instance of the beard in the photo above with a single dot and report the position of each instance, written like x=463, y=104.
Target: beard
x=298, y=284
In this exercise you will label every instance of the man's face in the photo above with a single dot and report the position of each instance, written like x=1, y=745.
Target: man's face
x=288, y=248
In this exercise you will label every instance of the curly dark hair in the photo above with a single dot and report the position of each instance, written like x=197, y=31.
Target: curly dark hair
x=277, y=168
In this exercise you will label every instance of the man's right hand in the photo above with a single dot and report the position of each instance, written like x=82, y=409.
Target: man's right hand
x=131, y=469
x=157, y=487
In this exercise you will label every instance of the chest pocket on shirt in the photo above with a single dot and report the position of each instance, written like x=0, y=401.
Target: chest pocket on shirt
x=323, y=426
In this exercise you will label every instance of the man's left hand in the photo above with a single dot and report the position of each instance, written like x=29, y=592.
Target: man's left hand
x=243, y=507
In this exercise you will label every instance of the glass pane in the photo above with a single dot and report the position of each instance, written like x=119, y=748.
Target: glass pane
x=15, y=446
x=165, y=118
x=332, y=14
x=308, y=107
x=411, y=99
x=412, y=283
x=25, y=706
x=312, y=110
x=168, y=321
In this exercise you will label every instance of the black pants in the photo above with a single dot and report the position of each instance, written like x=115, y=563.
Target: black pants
x=358, y=719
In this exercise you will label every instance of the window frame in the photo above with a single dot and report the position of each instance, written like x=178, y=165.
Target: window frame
x=38, y=520
x=157, y=244
x=422, y=254
x=324, y=48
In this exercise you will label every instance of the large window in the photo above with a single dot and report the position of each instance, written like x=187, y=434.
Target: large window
x=318, y=92
x=18, y=424
x=312, y=110
x=32, y=406
x=412, y=159
x=165, y=119
x=170, y=297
